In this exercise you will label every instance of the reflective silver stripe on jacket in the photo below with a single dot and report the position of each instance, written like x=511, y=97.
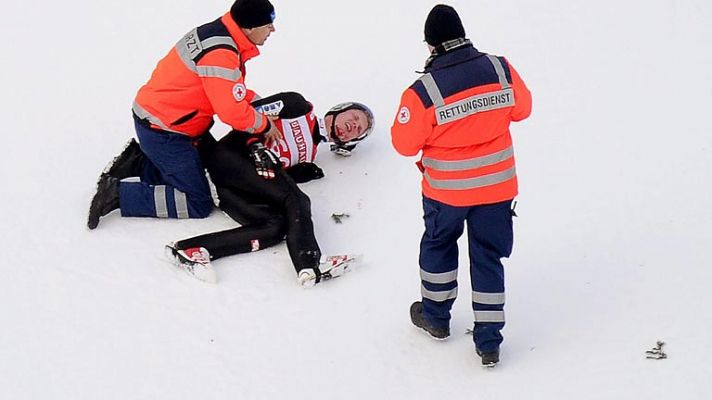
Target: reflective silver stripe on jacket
x=181, y=204
x=258, y=122
x=446, y=113
x=218, y=41
x=489, y=316
x=189, y=47
x=159, y=197
x=471, y=183
x=219, y=72
x=141, y=113
x=433, y=91
x=445, y=277
x=472, y=163
x=438, y=295
x=499, y=70
x=487, y=298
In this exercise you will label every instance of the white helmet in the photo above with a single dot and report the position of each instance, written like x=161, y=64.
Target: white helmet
x=345, y=148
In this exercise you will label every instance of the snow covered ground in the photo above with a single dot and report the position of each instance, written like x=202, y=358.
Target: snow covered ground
x=611, y=250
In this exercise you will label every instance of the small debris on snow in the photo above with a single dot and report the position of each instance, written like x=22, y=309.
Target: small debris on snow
x=337, y=217
x=656, y=353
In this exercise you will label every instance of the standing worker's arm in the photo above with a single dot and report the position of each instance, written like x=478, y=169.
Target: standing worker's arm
x=522, y=96
x=412, y=125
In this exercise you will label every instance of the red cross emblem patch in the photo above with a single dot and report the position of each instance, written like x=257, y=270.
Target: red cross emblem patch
x=239, y=91
x=404, y=115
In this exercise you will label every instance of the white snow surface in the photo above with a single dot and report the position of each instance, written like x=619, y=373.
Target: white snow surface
x=611, y=244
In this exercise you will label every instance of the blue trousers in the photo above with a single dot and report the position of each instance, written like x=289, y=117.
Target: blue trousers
x=490, y=237
x=173, y=182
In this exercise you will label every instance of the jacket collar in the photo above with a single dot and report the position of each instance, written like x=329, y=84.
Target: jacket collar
x=450, y=53
x=246, y=48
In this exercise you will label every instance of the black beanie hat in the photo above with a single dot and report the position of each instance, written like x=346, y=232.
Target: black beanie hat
x=443, y=24
x=252, y=13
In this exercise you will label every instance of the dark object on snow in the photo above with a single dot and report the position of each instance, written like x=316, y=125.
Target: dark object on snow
x=416, y=316
x=128, y=163
x=105, y=200
x=337, y=217
x=489, y=359
x=656, y=353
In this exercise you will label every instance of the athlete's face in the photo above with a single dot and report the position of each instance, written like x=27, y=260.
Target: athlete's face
x=259, y=35
x=348, y=124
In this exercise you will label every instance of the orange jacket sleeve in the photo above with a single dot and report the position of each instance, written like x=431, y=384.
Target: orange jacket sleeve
x=412, y=125
x=251, y=96
x=522, y=96
x=228, y=94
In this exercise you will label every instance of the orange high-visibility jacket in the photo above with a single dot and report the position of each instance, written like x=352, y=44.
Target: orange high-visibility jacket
x=458, y=114
x=202, y=76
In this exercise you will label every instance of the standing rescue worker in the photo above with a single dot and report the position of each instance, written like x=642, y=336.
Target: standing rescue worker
x=458, y=114
x=202, y=76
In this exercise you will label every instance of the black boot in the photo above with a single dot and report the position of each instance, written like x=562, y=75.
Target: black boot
x=105, y=200
x=128, y=163
x=490, y=358
x=416, y=316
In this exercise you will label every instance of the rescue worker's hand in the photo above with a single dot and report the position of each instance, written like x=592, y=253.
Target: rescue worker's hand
x=272, y=135
x=266, y=163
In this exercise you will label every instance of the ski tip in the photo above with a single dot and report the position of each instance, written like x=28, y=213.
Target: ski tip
x=355, y=258
x=211, y=279
x=207, y=275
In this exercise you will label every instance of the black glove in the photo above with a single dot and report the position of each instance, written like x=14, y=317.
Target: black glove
x=266, y=163
x=305, y=172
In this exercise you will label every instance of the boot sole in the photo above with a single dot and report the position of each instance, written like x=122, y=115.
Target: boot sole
x=439, y=339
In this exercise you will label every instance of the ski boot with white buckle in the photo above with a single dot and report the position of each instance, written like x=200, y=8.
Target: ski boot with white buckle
x=307, y=277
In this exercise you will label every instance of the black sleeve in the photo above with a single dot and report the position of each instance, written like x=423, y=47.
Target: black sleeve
x=316, y=135
x=205, y=145
x=237, y=141
x=294, y=104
